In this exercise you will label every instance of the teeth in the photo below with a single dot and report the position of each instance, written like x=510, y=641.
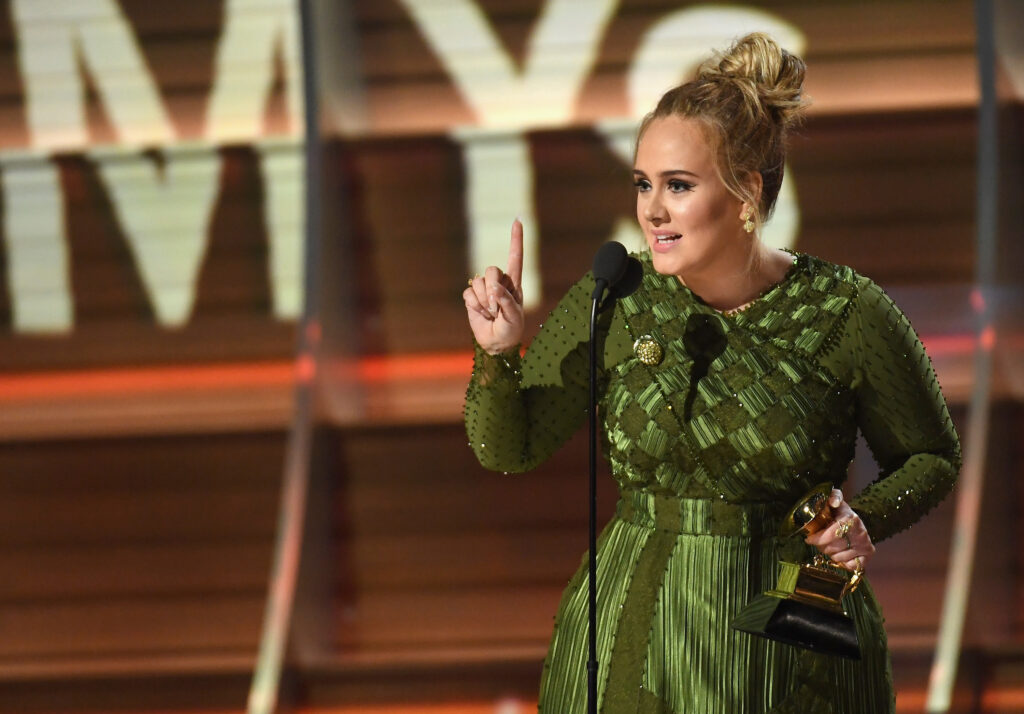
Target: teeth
x=668, y=239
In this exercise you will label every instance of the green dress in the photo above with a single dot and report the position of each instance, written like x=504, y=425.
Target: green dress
x=710, y=447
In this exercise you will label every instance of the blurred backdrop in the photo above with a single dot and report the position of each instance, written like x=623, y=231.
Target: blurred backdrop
x=233, y=348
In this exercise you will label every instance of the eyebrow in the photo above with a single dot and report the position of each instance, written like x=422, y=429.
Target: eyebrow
x=671, y=172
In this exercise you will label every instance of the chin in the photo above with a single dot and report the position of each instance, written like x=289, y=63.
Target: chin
x=666, y=264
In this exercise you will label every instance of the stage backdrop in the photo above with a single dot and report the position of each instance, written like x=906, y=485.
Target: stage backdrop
x=151, y=188
x=150, y=160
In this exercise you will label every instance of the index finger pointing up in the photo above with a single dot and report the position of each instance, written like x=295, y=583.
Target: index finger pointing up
x=515, y=255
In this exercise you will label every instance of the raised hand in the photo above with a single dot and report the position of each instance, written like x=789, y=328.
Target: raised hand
x=494, y=301
x=845, y=540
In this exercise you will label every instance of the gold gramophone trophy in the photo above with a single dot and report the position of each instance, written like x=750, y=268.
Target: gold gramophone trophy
x=805, y=608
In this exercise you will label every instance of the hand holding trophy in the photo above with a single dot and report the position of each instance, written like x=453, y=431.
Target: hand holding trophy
x=845, y=540
x=805, y=608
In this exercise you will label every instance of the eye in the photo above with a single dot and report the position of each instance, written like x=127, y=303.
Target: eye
x=642, y=185
x=677, y=186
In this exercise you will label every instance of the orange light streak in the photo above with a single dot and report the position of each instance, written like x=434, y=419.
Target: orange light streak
x=28, y=386
x=42, y=385
x=415, y=366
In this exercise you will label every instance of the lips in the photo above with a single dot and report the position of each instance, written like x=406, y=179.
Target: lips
x=664, y=242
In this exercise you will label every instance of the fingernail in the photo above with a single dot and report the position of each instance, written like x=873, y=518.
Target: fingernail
x=492, y=305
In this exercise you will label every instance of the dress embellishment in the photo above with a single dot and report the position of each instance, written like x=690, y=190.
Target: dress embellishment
x=648, y=350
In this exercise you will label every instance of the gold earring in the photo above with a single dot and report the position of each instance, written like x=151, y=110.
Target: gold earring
x=748, y=224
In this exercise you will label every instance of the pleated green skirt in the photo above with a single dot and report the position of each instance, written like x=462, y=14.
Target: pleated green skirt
x=672, y=574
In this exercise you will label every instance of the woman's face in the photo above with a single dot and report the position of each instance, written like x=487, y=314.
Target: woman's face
x=690, y=220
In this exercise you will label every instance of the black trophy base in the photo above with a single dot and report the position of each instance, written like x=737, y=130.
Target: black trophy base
x=799, y=624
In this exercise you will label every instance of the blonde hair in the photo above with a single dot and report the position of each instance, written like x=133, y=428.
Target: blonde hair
x=748, y=98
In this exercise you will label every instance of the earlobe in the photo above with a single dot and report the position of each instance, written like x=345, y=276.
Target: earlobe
x=755, y=183
x=747, y=218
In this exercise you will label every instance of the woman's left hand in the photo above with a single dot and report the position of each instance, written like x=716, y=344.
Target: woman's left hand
x=845, y=540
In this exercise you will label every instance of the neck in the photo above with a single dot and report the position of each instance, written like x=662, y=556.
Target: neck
x=735, y=280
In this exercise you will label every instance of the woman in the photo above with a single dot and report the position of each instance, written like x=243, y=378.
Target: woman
x=733, y=381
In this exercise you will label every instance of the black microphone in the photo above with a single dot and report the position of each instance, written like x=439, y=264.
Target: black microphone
x=629, y=281
x=615, y=271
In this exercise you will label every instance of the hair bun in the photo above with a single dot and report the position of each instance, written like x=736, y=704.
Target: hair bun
x=747, y=98
x=764, y=72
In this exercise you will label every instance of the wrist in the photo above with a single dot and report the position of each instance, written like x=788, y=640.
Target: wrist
x=509, y=352
x=496, y=367
x=502, y=351
x=498, y=349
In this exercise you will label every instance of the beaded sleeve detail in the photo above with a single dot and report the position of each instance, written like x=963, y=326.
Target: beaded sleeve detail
x=518, y=412
x=902, y=415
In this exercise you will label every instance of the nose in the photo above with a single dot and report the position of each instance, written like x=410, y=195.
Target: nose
x=654, y=210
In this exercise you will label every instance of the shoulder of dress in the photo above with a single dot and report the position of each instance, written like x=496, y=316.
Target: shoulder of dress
x=810, y=314
x=825, y=271
x=845, y=283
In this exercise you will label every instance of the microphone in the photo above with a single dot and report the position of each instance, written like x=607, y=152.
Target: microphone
x=615, y=271
x=629, y=281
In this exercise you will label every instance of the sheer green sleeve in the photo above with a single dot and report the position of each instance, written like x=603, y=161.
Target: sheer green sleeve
x=518, y=412
x=901, y=413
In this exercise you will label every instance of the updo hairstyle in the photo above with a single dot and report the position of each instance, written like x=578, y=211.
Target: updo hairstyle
x=748, y=98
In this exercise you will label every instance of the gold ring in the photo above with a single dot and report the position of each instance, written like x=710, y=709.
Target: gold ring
x=860, y=565
x=849, y=545
x=842, y=530
x=470, y=281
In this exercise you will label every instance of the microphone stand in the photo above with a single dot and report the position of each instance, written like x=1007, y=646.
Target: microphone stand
x=592, y=596
x=620, y=275
x=595, y=310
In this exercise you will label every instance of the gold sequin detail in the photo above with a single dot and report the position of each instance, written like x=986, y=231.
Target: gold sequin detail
x=648, y=350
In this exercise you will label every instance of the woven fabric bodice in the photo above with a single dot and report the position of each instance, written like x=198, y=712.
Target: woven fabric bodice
x=737, y=408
